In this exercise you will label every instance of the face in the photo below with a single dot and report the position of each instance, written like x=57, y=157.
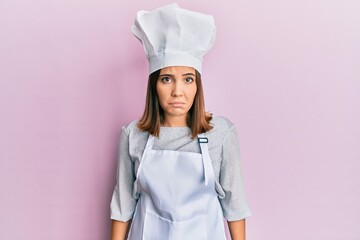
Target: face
x=176, y=89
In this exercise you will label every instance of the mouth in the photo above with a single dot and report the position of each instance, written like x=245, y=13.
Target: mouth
x=177, y=104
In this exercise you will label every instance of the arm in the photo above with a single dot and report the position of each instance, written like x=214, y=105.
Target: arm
x=234, y=203
x=119, y=230
x=122, y=203
x=237, y=229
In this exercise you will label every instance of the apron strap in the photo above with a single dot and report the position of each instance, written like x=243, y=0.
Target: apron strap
x=149, y=143
x=205, y=156
x=148, y=147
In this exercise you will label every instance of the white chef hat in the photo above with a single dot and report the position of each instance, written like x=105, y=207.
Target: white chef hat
x=173, y=36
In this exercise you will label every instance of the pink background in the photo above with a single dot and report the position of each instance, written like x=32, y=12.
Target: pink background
x=285, y=72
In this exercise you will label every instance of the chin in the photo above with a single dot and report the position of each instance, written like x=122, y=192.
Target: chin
x=178, y=112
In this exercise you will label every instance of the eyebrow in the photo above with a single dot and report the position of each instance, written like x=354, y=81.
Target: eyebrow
x=171, y=75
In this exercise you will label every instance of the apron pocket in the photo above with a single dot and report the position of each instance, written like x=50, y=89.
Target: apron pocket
x=159, y=228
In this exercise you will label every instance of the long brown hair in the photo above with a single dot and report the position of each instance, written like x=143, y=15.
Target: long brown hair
x=197, y=119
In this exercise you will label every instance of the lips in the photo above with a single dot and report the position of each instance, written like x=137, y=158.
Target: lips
x=177, y=104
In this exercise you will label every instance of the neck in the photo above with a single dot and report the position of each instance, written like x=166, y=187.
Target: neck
x=175, y=121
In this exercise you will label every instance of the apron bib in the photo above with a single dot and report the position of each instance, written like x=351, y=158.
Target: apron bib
x=177, y=199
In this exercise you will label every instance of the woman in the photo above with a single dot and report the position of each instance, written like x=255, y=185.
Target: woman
x=179, y=171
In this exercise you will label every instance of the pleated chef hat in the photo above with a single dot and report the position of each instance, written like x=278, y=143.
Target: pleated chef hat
x=173, y=36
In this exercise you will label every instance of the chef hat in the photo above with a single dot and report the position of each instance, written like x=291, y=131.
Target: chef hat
x=173, y=36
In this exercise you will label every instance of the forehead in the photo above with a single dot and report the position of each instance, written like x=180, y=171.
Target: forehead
x=177, y=70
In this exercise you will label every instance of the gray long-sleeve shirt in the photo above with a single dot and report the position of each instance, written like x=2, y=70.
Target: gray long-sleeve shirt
x=224, y=152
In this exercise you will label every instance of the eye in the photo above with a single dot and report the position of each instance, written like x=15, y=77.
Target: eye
x=189, y=80
x=165, y=79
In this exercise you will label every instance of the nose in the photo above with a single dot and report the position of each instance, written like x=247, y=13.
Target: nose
x=177, y=89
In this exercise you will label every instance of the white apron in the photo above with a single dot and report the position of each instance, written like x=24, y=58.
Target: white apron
x=177, y=199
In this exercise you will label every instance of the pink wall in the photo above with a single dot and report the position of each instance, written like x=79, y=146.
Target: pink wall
x=285, y=72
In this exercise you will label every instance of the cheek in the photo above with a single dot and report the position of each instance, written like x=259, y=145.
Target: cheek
x=192, y=93
x=162, y=93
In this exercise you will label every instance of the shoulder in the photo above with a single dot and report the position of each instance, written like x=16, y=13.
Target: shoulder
x=222, y=126
x=131, y=128
x=221, y=123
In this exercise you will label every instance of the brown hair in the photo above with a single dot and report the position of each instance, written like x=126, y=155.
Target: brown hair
x=197, y=119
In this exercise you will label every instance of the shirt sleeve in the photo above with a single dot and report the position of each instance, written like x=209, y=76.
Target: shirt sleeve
x=123, y=204
x=234, y=204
